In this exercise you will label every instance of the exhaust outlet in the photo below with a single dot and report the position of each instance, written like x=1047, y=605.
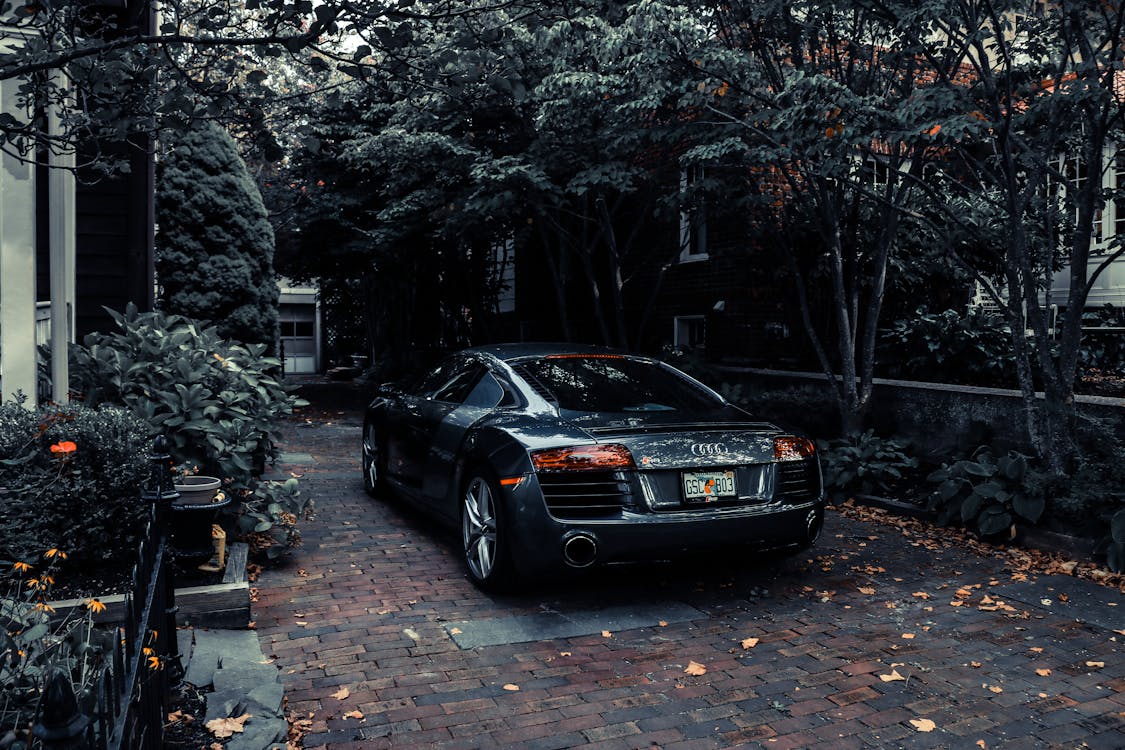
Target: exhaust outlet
x=813, y=524
x=580, y=550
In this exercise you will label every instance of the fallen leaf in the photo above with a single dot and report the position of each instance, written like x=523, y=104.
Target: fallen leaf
x=1043, y=672
x=920, y=595
x=1095, y=664
x=994, y=688
x=923, y=725
x=1064, y=598
x=695, y=668
x=1046, y=602
x=981, y=743
x=908, y=636
x=223, y=728
x=511, y=687
x=302, y=623
x=564, y=653
x=866, y=590
x=974, y=664
x=606, y=634
x=894, y=676
x=354, y=715
x=342, y=693
x=749, y=642
x=455, y=631
x=662, y=624
x=1037, y=649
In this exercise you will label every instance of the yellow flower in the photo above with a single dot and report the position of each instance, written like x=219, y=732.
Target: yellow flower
x=147, y=651
x=44, y=607
x=33, y=583
x=51, y=552
x=46, y=579
x=22, y=567
x=154, y=662
x=95, y=606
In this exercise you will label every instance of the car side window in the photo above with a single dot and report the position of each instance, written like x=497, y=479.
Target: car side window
x=486, y=394
x=435, y=378
x=459, y=385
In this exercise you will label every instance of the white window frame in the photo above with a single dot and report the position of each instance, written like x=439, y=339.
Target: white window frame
x=693, y=219
x=681, y=330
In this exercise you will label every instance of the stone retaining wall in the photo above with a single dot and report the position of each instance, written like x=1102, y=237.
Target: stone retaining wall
x=933, y=415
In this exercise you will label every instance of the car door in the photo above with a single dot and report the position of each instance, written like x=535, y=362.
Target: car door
x=404, y=428
x=487, y=392
x=425, y=414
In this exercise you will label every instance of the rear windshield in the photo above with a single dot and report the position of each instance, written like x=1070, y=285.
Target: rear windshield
x=617, y=384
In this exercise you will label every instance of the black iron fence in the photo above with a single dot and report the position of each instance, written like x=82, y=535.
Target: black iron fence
x=132, y=689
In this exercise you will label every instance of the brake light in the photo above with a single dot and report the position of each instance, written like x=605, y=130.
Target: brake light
x=583, y=458
x=792, y=448
x=585, y=356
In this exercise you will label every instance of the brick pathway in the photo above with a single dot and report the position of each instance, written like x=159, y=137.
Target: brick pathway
x=367, y=604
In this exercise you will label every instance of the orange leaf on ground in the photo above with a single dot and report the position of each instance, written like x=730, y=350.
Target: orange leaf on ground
x=866, y=590
x=920, y=595
x=695, y=668
x=923, y=725
x=749, y=643
x=354, y=715
x=223, y=728
x=511, y=687
x=342, y=693
x=1043, y=672
x=1095, y=664
x=892, y=677
x=606, y=634
x=974, y=664
x=908, y=636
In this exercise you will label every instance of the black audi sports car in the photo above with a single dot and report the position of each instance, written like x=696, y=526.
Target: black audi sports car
x=550, y=457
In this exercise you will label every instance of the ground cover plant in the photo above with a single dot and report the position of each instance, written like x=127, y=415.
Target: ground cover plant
x=218, y=402
x=864, y=463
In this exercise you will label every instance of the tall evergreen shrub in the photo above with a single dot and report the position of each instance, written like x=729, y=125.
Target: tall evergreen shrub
x=215, y=245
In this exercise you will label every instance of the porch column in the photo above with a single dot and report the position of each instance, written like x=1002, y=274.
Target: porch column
x=62, y=245
x=17, y=266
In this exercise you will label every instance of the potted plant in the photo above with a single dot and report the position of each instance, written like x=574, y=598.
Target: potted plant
x=193, y=514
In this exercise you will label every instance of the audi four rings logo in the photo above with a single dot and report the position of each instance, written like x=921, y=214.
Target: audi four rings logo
x=708, y=449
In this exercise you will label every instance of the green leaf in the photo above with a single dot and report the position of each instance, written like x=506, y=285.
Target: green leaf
x=1029, y=508
x=1117, y=527
x=970, y=507
x=993, y=521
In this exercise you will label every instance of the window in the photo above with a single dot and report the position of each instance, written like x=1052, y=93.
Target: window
x=693, y=219
x=458, y=387
x=618, y=384
x=689, y=331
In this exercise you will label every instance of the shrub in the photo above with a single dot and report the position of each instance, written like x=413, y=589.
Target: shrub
x=73, y=477
x=215, y=246
x=219, y=403
x=863, y=463
x=987, y=493
x=947, y=347
x=1112, y=545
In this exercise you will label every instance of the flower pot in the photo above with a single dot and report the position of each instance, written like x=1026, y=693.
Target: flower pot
x=197, y=490
x=190, y=526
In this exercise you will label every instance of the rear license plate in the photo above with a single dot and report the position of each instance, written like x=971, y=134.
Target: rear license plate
x=705, y=486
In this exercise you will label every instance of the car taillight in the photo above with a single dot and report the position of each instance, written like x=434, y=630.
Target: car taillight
x=583, y=458
x=792, y=448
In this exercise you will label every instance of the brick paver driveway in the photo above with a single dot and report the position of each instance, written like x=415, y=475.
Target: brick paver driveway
x=855, y=645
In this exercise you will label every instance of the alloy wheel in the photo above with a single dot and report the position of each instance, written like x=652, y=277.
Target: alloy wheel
x=478, y=528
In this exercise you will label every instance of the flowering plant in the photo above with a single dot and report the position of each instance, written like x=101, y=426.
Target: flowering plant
x=34, y=643
x=72, y=479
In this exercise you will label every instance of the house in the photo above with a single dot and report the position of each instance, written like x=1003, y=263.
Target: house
x=70, y=242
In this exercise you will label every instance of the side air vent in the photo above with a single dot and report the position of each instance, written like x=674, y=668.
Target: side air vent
x=797, y=481
x=536, y=385
x=585, y=494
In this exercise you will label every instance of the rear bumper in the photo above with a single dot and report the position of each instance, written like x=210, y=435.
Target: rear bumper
x=539, y=539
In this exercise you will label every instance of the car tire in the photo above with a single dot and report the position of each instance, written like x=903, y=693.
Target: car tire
x=374, y=483
x=485, y=535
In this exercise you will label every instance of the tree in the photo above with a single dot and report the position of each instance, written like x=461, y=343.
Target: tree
x=492, y=130
x=833, y=125
x=1031, y=130
x=215, y=244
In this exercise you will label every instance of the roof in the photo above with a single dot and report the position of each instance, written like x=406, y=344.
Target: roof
x=510, y=352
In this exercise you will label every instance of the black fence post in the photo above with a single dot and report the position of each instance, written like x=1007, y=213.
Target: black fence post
x=61, y=724
x=161, y=493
